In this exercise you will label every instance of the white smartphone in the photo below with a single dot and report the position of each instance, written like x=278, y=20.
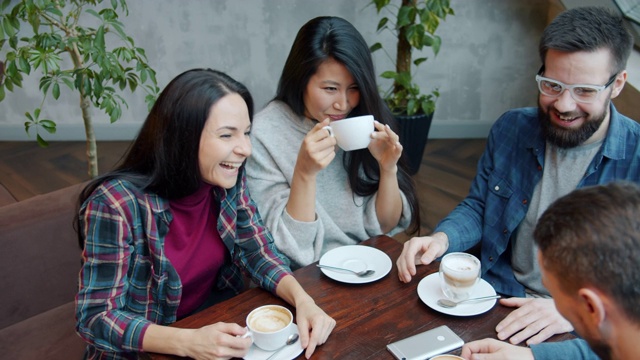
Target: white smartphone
x=426, y=344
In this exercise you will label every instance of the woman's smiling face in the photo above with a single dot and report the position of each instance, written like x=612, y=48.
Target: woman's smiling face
x=225, y=143
x=331, y=92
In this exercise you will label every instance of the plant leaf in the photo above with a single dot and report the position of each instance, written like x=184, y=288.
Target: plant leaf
x=389, y=74
x=437, y=41
x=99, y=40
x=48, y=125
x=94, y=13
x=56, y=91
x=152, y=74
x=42, y=142
x=8, y=28
x=118, y=28
x=419, y=61
x=24, y=66
x=382, y=23
x=54, y=10
x=404, y=16
x=376, y=46
x=380, y=4
x=142, y=53
x=150, y=100
x=45, y=82
x=68, y=82
x=4, y=5
x=34, y=20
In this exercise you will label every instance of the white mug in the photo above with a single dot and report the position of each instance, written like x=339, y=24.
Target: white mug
x=446, y=357
x=269, y=326
x=352, y=133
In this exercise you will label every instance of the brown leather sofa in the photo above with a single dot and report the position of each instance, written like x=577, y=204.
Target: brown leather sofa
x=5, y=196
x=39, y=264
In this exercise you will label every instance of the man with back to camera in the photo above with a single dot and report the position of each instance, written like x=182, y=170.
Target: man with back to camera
x=575, y=138
x=589, y=247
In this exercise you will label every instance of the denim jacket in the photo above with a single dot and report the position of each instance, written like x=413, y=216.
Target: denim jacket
x=507, y=174
x=576, y=349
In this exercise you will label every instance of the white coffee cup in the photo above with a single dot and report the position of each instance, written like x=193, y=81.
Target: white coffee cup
x=269, y=326
x=459, y=274
x=446, y=357
x=352, y=133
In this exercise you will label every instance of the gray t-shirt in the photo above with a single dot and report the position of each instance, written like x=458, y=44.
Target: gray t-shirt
x=563, y=170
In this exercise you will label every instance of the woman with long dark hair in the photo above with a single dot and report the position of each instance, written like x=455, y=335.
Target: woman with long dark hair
x=173, y=230
x=315, y=196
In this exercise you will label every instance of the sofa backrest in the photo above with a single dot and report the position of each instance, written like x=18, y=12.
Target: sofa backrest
x=5, y=196
x=39, y=254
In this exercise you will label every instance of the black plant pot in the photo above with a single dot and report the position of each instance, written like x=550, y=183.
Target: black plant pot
x=414, y=131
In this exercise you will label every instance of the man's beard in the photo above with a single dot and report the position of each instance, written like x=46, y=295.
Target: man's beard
x=570, y=138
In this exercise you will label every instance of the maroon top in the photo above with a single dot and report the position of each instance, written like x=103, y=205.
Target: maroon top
x=194, y=247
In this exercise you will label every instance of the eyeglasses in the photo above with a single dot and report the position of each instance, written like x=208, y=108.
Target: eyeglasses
x=579, y=92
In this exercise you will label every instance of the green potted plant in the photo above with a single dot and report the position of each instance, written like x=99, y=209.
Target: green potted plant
x=104, y=59
x=413, y=23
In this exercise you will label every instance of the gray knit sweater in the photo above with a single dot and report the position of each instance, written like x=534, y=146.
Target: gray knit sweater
x=342, y=218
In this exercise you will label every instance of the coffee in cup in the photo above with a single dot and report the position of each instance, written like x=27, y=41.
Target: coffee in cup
x=269, y=326
x=352, y=133
x=459, y=274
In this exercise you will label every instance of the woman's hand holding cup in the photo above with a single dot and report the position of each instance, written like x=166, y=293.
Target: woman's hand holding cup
x=385, y=147
x=317, y=150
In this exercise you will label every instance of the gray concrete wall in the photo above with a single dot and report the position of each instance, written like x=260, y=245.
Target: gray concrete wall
x=486, y=64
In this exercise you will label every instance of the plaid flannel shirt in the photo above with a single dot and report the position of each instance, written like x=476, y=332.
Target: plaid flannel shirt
x=126, y=281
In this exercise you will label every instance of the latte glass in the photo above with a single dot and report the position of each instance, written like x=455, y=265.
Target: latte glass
x=459, y=274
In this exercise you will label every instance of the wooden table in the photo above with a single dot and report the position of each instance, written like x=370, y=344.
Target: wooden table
x=369, y=316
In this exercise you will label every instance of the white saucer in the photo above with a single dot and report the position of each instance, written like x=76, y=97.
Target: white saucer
x=288, y=353
x=357, y=258
x=429, y=291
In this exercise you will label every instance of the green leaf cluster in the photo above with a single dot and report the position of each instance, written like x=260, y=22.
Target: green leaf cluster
x=414, y=24
x=104, y=59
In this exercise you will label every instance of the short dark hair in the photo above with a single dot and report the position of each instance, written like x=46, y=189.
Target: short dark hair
x=163, y=158
x=330, y=37
x=589, y=28
x=592, y=237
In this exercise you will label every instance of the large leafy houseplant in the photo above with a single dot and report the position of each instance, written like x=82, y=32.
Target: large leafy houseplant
x=413, y=23
x=79, y=30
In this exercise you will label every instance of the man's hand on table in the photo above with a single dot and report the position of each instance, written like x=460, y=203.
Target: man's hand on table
x=534, y=320
x=420, y=251
x=492, y=349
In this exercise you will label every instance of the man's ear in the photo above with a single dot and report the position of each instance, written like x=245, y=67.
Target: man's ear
x=592, y=307
x=618, y=84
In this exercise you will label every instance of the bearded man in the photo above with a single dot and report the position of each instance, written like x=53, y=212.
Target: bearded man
x=575, y=138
